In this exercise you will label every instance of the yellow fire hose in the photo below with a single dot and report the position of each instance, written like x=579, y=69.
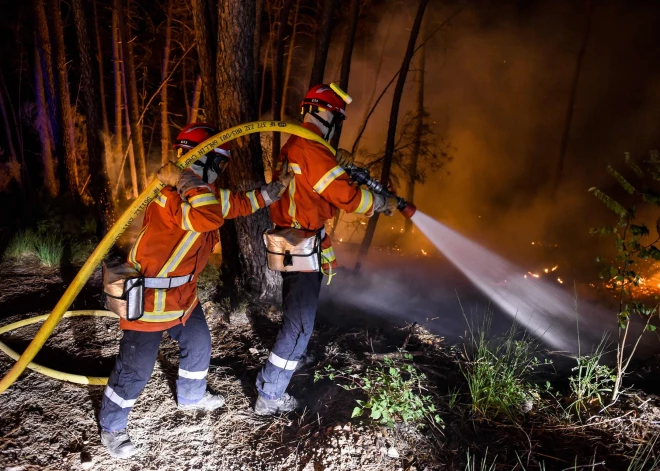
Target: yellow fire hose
x=113, y=234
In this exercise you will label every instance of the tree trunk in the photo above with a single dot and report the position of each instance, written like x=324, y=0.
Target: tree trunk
x=257, y=47
x=269, y=46
x=391, y=129
x=66, y=148
x=16, y=170
x=129, y=142
x=206, y=53
x=289, y=59
x=46, y=66
x=349, y=43
x=99, y=58
x=419, y=129
x=277, y=72
x=243, y=251
x=571, y=104
x=119, y=145
x=194, y=107
x=164, y=118
x=354, y=13
x=323, y=43
x=43, y=128
x=131, y=93
x=89, y=83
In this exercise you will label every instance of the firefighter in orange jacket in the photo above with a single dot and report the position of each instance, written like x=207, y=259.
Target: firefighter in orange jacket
x=319, y=188
x=177, y=237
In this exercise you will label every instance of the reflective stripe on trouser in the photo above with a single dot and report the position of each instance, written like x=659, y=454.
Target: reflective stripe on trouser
x=135, y=363
x=300, y=295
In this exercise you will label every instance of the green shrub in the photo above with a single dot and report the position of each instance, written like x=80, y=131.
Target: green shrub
x=49, y=249
x=498, y=371
x=591, y=379
x=395, y=392
x=21, y=245
x=81, y=251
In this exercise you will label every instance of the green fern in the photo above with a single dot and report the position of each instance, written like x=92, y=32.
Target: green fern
x=611, y=204
x=633, y=166
x=622, y=181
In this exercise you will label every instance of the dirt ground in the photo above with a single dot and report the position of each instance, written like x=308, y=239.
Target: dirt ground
x=48, y=424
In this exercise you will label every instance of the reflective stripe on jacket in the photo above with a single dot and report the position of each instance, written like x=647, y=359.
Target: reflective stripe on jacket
x=176, y=239
x=318, y=188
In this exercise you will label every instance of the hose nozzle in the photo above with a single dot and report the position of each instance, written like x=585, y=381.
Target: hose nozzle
x=407, y=209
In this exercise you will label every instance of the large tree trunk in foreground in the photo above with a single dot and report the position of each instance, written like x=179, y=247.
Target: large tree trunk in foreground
x=571, y=104
x=164, y=118
x=130, y=85
x=43, y=128
x=205, y=39
x=289, y=59
x=42, y=40
x=277, y=72
x=391, y=129
x=243, y=251
x=66, y=147
x=89, y=83
x=323, y=43
x=256, y=51
x=419, y=129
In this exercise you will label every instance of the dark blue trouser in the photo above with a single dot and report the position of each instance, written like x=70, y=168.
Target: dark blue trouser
x=135, y=363
x=300, y=297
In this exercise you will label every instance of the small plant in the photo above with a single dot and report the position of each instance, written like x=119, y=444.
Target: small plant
x=647, y=456
x=21, y=245
x=49, y=249
x=394, y=392
x=498, y=370
x=473, y=463
x=591, y=379
x=629, y=240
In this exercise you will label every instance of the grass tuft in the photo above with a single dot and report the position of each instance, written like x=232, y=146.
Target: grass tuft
x=21, y=245
x=49, y=249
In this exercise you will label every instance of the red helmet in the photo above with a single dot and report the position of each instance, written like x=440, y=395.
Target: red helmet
x=324, y=97
x=196, y=133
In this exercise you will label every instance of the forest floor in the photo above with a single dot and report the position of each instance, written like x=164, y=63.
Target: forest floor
x=48, y=424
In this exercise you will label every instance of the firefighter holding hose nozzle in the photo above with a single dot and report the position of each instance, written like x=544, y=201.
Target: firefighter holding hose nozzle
x=298, y=245
x=156, y=290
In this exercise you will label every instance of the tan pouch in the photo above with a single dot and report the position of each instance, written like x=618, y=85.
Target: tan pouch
x=291, y=250
x=123, y=287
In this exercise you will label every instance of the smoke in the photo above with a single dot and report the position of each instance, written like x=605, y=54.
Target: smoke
x=497, y=86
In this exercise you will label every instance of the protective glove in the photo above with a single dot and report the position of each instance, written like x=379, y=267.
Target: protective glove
x=169, y=174
x=385, y=205
x=275, y=189
x=344, y=158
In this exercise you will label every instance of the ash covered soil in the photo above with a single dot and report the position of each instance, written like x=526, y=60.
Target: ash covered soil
x=48, y=424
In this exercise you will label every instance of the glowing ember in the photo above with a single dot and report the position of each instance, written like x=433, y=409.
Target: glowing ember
x=424, y=252
x=560, y=281
x=363, y=223
x=547, y=270
x=555, y=267
x=533, y=274
x=341, y=240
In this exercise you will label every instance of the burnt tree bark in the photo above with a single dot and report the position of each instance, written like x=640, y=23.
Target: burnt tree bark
x=118, y=143
x=99, y=58
x=43, y=128
x=66, y=144
x=323, y=43
x=205, y=38
x=42, y=41
x=164, y=118
x=391, y=129
x=563, y=146
x=354, y=13
x=289, y=58
x=256, y=51
x=243, y=252
x=89, y=83
x=130, y=86
x=129, y=142
x=277, y=72
x=197, y=92
x=419, y=129
x=347, y=54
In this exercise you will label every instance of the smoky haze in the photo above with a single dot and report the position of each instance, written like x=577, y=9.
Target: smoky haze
x=497, y=87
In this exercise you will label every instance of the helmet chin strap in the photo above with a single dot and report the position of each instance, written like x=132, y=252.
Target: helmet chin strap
x=324, y=120
x=203, y=168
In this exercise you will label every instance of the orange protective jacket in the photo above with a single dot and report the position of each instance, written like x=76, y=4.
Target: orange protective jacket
x=318, y=189
x=176, y=239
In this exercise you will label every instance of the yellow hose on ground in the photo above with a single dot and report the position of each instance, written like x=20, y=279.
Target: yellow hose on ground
x=44, y=370
x=125, y=221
